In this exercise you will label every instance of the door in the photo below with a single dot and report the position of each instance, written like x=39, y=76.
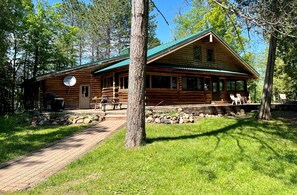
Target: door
x=84, y=97
x=215, y=89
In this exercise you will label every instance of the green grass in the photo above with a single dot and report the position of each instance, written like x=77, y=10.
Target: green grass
x=214, y=156
x=18, y=138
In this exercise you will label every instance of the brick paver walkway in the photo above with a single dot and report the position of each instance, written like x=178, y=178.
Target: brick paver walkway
x=41, y=164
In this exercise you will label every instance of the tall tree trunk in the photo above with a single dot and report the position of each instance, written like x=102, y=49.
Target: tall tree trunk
x=264, y=112
x=135, y=135
x=36, y=61
x=13, y=76
x=80, y=50
x=108, y=45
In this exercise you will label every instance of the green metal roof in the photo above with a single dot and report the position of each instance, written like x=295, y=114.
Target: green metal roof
x=156, y=50
x=167, y=46
x=202, y=69
x=98, y=62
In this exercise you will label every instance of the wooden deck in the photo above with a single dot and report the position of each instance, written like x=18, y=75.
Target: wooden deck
x=196, y=109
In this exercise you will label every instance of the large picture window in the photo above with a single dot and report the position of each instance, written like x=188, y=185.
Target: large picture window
x=231, y=86
x=240, y=85
x=161, y=81
x=192, y=83
x=235, y=85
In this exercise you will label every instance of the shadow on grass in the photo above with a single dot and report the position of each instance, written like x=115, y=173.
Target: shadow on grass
x=267, y=152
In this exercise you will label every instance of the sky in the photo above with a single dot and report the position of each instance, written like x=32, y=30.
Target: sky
x=170, y=8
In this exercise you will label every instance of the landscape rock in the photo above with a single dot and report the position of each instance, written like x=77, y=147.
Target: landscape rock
x=186, y=116
x=242, y=112
x=96, y=118
x=79, y=121
x=87, y=121
x=186, y=120
x=181, y=121
x=167, y=121
x=148, y=113
x=149, y=119
x=191, y=119
x=201, y=115
x=157, y=120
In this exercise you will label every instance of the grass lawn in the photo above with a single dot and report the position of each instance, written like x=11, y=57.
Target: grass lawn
x=215, y=155
x=18, y=138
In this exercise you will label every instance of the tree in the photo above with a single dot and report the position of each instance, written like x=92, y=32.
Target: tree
x=135, y=135
x=285, y=80
x=206, y=14
x=286, y=67
x=276, y=18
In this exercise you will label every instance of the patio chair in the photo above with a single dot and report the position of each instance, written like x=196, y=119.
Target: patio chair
x=283, y=98
x=240, y=98
x=234, y=99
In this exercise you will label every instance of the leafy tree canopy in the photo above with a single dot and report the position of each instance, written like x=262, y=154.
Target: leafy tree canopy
x=206, y=14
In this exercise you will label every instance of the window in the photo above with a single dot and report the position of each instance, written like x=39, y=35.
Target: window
x=197, y=54
x=107, y=82
x=161, y=81
x=240, y=85
x=85, y=91
x=124, y=82
x=148, y=81
x=174, y=82
x=206, y=84
x=231, y=86
x=210, y=56
x=222, y=85
x=192, y=83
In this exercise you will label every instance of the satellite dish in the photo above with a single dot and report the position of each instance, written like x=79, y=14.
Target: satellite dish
x=69, y=81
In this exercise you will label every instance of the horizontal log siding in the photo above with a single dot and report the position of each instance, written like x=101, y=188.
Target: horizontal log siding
x=166, y=96
x=71, y=94
x=123, y=95
x=223, y=59
x=177, y=96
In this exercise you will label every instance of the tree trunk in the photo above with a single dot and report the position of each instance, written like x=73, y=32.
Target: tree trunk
x=13, y=76
x=80, y=50
x=36, y=61
x=264, y=112
x=135, y=135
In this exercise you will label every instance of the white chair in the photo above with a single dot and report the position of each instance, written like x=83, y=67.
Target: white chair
x=241, y=99
x=234, y=99
x=283, y=98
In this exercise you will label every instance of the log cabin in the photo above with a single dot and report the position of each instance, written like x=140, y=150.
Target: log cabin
x=198, y=69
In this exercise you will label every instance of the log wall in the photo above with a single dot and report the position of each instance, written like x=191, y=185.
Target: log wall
x=71, y=94
x=223, y=59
